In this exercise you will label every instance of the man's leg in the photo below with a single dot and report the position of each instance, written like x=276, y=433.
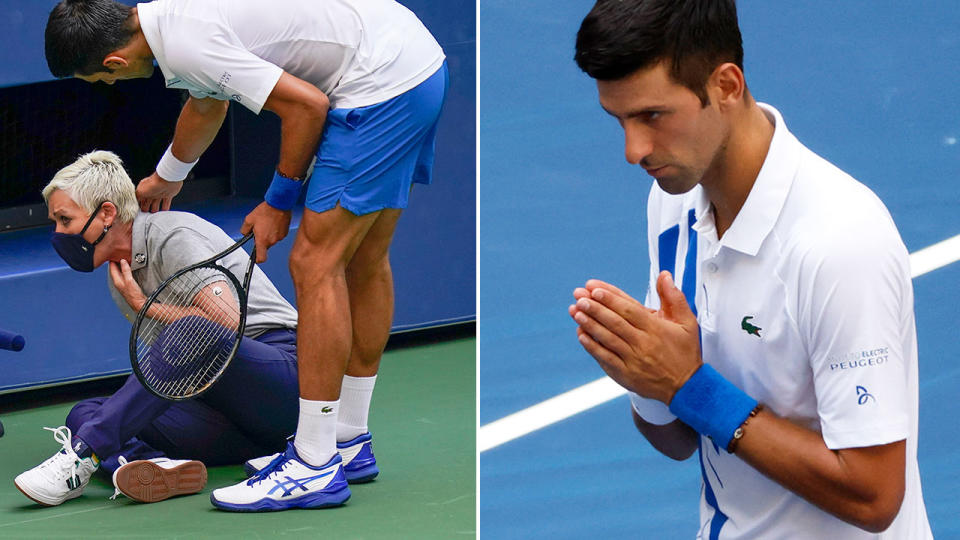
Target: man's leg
x=325, y=244
x=310, y=473
x=370, y=285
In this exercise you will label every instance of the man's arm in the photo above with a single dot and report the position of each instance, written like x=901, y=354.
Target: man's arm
x=862, y=486
x=655, y=354
x=197, y=126
x=302, y=109
x=675, y=440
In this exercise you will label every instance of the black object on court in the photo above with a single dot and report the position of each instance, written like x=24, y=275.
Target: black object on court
x=189, y=329
x=11, y=341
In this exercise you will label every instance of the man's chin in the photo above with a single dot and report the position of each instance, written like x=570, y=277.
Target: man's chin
x=674, y=185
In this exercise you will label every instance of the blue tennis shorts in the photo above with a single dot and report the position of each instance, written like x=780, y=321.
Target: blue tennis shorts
x=370, y=156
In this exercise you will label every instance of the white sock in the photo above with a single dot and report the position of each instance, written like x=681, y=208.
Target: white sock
x=355, y=395
x=316, y=440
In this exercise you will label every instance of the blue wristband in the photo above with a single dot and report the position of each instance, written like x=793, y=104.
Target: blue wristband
x=712, y=405
x=283, y=192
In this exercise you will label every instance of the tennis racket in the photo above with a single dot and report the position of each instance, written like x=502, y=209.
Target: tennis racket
x=189, y=329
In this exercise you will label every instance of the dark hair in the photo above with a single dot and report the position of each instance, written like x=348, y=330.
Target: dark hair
x=619, y=37
x=81, y=33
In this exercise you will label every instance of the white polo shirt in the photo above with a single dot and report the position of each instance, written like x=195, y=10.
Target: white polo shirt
x=358, y=52
x=806, y=304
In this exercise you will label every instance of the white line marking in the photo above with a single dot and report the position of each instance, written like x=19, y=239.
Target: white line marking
x=548, y=412
x=55, y=516
x=603, y=390
x=936, y=256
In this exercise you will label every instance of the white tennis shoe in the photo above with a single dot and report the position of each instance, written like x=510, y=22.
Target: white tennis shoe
x=286, y=483
x=359, y=463
x=158, y=479
x=60, y=478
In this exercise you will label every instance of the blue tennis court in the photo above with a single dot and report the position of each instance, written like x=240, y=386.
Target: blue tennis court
x=871, y=86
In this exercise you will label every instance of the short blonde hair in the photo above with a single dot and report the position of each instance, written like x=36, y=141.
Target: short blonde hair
x=95, y=178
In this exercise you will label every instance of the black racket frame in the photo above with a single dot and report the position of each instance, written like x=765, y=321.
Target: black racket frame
x=242, y=300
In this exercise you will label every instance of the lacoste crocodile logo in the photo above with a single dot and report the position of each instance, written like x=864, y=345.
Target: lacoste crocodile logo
x=325, y=410
x=749, y=328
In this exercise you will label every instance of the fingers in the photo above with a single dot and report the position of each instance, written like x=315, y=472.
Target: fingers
x=261, y=247
x=604, y=326
x=165, y=203
x=126, y=272
x=596, y=283
x=153, y=205
x=606, y=359
x=672, y=301
x=115, y=274
x=629, y=309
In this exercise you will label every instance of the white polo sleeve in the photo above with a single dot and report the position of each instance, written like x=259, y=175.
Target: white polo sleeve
x=852, y=313
x=212, y=63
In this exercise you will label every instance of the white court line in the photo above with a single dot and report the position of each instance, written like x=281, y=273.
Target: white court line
x=604, y=389
x=936, y=256
x=55, y=516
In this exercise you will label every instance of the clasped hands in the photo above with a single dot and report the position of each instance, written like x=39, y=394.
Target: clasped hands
x=649, y=352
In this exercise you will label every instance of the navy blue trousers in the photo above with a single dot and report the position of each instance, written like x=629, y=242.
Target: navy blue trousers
x=249, y=412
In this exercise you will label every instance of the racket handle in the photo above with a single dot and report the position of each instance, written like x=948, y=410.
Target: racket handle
x=11, y=341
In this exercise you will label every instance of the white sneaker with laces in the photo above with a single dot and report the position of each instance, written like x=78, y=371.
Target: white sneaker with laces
x=60, y=478
x=359, y=463
x=285, y=483
x=157, y=479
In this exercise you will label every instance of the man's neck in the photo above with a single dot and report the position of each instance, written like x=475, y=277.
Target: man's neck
x=737, y=166
x=139, y=40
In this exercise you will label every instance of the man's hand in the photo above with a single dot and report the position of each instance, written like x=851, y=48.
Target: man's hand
x=652, y=353
x=123, y=280
x=155, y=193
x=269, y=226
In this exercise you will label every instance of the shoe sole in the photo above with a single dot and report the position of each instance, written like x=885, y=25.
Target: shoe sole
x=146, y=482
x=313, y=501
x=362, y=475
x=36, y=497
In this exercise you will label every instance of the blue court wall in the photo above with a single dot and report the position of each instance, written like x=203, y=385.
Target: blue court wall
x=73, y=330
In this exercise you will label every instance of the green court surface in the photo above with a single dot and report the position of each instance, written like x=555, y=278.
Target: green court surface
x=423, y=421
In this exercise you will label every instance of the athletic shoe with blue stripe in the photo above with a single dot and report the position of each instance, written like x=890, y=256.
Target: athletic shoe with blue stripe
x=286, y=482
x=359, y=463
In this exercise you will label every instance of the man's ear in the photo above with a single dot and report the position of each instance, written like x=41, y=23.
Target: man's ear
x=726, y=85
x=114, y=61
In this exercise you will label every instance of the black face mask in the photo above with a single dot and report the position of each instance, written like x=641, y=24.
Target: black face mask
x=74, y=249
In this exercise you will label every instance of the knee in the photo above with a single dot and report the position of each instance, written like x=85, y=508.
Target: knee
x=362, y=269
x=308, y=260
x=81, y=412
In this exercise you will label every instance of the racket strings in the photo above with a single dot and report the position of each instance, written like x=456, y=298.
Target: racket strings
x=190, y=333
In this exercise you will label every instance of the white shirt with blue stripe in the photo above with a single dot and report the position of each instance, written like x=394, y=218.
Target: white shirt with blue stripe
x=806, y=304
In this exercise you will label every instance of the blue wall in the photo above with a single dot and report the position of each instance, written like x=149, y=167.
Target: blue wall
x=74, y=331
